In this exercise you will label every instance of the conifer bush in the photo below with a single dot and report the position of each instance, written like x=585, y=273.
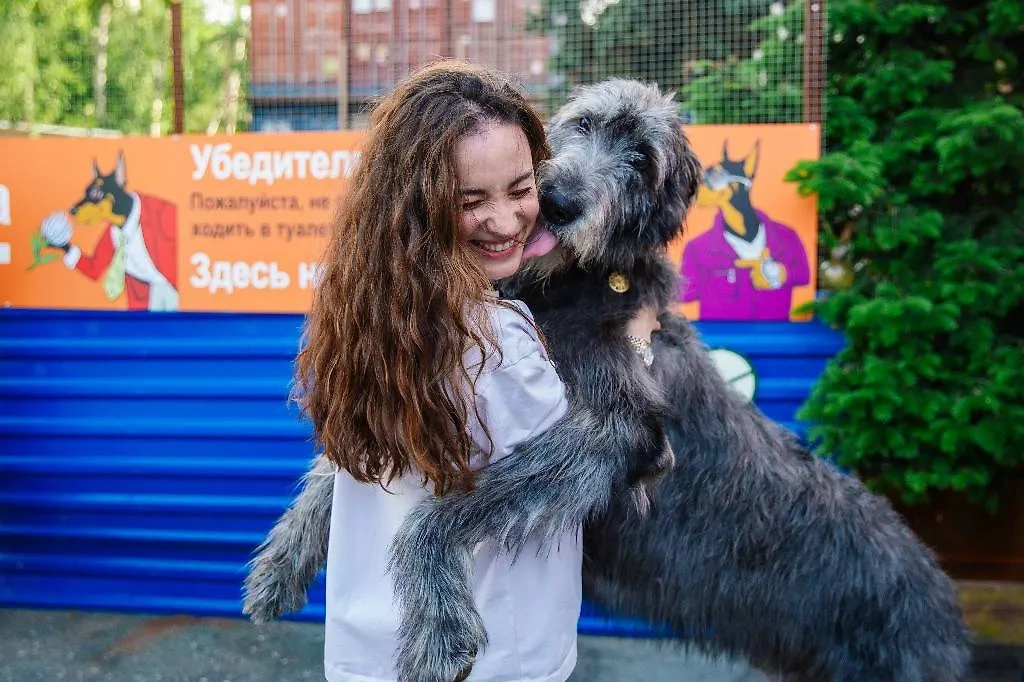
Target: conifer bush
x=924, y=178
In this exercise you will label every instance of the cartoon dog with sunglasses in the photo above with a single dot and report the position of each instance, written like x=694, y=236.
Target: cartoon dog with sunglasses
x=747, y=265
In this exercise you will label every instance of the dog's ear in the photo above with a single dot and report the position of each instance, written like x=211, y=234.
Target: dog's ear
x=750, y=163
x=120, y=175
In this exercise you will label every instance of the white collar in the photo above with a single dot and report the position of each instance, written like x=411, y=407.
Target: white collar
x=745, y=249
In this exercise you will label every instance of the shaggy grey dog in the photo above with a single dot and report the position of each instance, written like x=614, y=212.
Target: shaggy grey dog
x=752, y=548
x=611, y=441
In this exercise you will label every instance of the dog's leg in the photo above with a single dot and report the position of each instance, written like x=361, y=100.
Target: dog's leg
x=547, y=485
x=296, y=547
x=758, y=550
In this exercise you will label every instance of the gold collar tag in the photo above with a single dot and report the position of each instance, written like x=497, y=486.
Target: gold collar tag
x=618, y=282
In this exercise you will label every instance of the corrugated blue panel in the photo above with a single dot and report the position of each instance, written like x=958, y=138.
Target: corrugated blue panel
x=143, y=457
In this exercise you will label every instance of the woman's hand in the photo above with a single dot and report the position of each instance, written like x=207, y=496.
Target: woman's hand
x=643, y=323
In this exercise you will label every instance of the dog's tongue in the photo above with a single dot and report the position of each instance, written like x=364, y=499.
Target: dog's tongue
x=539, y=243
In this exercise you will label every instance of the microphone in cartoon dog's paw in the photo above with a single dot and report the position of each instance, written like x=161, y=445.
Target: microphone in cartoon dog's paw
x=54, y=233
x=57, y=230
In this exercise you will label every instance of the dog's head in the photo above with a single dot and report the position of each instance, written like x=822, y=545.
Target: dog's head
x=105, y=199
x=622, y=173
x=728, y=182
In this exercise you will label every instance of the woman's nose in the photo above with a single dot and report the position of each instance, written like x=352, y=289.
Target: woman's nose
x=507, y=215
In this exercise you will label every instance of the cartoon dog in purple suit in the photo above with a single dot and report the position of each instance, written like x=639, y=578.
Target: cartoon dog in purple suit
x=746, y=266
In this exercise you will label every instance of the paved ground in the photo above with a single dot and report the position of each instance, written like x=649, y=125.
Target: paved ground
x=45, y=646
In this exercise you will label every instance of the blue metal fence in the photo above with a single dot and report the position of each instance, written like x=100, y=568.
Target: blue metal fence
x=143, y=457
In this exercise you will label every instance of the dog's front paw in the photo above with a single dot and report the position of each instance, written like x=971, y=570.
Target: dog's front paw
x=440, y=650
x=269, y=593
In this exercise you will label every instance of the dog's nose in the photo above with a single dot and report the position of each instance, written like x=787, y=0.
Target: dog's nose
x=558, y=208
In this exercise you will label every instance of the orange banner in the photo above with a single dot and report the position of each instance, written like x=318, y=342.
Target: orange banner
x=236, y=223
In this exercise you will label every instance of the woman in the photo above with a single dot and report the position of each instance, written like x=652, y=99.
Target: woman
x=415, y=373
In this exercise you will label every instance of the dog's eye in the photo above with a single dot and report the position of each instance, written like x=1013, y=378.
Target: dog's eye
x=584, y=125
x=640, y=161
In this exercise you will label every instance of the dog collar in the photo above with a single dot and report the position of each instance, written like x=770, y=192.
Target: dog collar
x=618, y=282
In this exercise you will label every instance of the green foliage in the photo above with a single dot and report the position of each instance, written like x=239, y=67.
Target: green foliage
x=43, y=44
x=52, y=52
x=926, y=139
x=658, y=41
x=764, y=87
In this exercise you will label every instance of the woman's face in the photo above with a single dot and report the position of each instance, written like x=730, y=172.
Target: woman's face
x=499, y=196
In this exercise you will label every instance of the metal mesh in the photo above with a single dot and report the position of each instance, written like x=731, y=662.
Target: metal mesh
x=276, y=65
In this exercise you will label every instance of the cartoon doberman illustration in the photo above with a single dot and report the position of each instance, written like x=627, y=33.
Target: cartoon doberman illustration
x=137, y=252
x=746, y=266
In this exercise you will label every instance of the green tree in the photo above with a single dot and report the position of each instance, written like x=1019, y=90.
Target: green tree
x=216, y=71
x=44, y=51
x=765, y=86
x=107, y=63
x=652, y=40
x=926, y=138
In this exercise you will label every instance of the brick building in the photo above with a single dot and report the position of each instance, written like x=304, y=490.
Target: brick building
x=311, y=59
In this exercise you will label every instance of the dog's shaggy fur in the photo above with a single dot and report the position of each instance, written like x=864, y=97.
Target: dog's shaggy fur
x=753, y=547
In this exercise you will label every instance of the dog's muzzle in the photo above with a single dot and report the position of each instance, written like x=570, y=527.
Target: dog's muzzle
x=558, y=208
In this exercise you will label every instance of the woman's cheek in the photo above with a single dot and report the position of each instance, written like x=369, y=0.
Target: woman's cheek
x=467, y=224
x=531, y=207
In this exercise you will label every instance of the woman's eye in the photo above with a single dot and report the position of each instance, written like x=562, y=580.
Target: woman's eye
x=472, y=205
x=520, y=193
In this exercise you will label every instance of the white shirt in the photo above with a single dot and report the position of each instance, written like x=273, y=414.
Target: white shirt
x=530, y=608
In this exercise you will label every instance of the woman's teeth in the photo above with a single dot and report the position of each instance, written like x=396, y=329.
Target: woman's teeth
x=497, y=247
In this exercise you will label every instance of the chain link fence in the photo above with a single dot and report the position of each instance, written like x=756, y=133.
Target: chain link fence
x=731, y=61
x=108, y=66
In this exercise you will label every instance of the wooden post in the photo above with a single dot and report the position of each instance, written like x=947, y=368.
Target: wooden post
x=177, y=82
x=447, y=49
x=814, y=59
x=394, y=49
x=345, y=68
x=343, y=85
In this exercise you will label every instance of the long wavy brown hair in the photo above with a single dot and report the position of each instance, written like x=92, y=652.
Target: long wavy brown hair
x=381, y=373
